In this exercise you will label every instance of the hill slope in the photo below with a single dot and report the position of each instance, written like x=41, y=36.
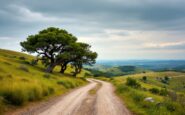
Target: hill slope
x=167, y=89
x=22, y=83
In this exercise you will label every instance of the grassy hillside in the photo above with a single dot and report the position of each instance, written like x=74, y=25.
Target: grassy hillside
x=22, y=83
x=166, y=88
x=116, y=71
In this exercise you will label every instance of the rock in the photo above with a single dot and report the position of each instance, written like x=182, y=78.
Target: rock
x=149, y=99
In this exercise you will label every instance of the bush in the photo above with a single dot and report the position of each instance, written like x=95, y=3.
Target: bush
x=26, y=62
x=154, y=90
x=33, y=62
x=166, y=78
x=24, y=68
x=144, y=78
x=162, y=92
x=132, y=83
x=22, y=58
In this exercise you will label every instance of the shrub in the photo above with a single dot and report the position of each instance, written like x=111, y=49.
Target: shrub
x=144, y=78
x=33, y=62
x=24, y=68
x=164, y=81
x=26, y=62
x=154, y=90
x=166, y=78
x=22, y=58
x=132, y=83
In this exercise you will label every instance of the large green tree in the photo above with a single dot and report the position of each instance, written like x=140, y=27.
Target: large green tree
x=49, y=44
x=56, y=46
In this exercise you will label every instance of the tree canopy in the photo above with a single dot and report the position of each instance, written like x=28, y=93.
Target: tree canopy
x=56, y=46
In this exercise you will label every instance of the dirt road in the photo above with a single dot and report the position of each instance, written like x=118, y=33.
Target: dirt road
x=82, y=102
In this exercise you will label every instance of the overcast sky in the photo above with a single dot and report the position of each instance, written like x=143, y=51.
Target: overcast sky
x=116, y=29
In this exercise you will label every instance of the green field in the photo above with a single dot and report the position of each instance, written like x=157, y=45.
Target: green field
x=21, y=82
x=169, y=96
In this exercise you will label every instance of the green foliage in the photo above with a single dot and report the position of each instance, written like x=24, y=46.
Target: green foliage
x=132, y=83
x=154, y=90
x=22, y=58
x=56, y=46
x=166, y=78
x=33, y=62
x=144, y=78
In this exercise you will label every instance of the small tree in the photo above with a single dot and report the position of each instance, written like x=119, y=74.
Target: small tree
x=154, y=90
x=166, y=78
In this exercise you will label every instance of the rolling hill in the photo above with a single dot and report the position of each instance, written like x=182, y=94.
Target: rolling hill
x=165, y=89
x=115, y=71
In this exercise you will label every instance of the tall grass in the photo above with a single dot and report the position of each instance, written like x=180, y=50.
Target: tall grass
x=165, y=103
x=21, y=83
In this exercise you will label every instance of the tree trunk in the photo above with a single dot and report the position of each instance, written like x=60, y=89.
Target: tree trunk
x=50, y=68
x=63, y=68
x=77, y=71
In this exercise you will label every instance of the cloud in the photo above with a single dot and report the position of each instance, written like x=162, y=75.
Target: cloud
x=5, y=38
x=163, y=45
x=114, y=28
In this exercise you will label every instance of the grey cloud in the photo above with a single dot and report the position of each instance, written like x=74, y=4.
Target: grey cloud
x=83, y=18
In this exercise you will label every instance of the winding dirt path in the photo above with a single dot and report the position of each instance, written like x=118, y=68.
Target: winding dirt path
x=82, y=102
x=107, y=103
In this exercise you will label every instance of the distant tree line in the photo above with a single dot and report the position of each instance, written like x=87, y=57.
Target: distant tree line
x=57, y=47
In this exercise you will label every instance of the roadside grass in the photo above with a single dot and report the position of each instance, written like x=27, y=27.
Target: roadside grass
x=94, y=90
x=172, y=103
x=21, y=82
